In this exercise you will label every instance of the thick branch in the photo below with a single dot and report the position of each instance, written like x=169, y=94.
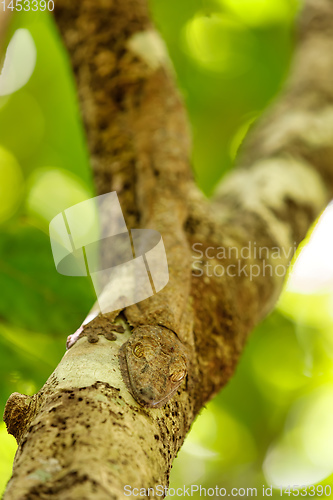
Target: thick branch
x=283, y=181
x=5, y=17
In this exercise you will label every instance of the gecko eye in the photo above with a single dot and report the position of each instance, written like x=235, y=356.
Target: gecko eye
x=178, y=376
x=138, y=350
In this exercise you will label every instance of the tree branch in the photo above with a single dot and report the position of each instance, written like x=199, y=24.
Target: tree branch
x=83, y=435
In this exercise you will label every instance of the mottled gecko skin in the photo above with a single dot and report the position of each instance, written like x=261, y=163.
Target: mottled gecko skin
x=153, y=364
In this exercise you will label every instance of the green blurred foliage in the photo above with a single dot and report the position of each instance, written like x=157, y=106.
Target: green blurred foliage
x=44, y=168
x=230, y=57
x=273, y=423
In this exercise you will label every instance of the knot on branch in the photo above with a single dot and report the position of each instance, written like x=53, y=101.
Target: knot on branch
x=19, y=412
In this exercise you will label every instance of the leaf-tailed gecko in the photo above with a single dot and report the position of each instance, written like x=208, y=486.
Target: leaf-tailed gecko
x=153, y=362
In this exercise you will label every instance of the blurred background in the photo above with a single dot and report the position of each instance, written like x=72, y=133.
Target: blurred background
x=273, y=423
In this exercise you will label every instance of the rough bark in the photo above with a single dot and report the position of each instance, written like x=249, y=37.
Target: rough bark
x=83, y=435
x=4, y=22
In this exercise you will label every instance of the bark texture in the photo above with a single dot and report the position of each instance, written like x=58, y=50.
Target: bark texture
x=83, y=436
x=5, y=17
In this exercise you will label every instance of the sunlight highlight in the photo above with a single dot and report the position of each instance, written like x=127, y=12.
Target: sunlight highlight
x=19, y=64
x=220, y=44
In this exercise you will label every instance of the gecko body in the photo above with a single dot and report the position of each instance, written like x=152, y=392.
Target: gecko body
x=153, y=362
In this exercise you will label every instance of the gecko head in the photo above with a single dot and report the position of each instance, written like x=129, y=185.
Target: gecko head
x=153, y=364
